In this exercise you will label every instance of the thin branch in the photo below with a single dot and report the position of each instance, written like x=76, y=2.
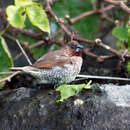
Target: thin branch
x=49, y=41
x=79, y=38
x=29, y=33
x=24, y=52
x=117, y=53
x=59, y=21
x=77, y=18
x=99, y=59
x=13, y=39
x=57, y=33
x=98, y=42
x=101, y=77
x=120, y=4
x=103, y=58
x=10, y=37
x=9, y=77
x=58, y=42
x=37, y=44
x=1, y=73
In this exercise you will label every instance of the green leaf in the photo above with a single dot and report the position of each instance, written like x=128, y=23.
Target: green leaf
x=5, y=57
x=67, y=91
x=88, y=86
x=120, y=33
x=38, y=17
x=128, y=67
x=16, y=16
x=128, y=35
x=23, y=2
x=93, y=1
x=121, y=45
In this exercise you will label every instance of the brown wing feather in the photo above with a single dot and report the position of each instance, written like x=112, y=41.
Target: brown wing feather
x=48, y=64
x=55, y=58
x=51, y=55
x=65, y=51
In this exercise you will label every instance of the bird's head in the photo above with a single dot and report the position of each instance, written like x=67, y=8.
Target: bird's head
x=76, y=48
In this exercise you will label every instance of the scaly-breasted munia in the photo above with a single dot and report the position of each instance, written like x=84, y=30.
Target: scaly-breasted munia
x=57, y=67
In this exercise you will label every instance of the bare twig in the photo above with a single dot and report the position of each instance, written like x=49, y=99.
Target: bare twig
x=9, y=77
x=59, y=22
x=103, y=58
x=99, y=58
x=10, y=37
x=1, y=73
x=58, y=42
x=77, y=18
x=24, y=52
x=58, y=32
x=117, y=53
x=37, y=44
x=28, y=33
x=101, y=77
x=79, y=38
x=98, y=42
x=120, y=4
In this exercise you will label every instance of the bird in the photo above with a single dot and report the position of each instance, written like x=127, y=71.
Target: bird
x=57, y=67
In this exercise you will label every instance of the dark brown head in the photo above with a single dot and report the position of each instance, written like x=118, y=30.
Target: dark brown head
x=76, y=48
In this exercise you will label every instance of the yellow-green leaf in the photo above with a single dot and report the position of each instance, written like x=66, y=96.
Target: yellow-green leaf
x=67, y=91
x=23, y=2
x=88, y=85
x=129, y=35
x=38, y=17
x=16, y=16
x=5, y=56
x=120, y=33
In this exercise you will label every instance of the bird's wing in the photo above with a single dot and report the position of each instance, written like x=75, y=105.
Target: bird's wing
x=52, y=59
x=51, y=55
x=50, y=63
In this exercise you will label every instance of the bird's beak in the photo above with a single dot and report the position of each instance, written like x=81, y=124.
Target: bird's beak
x=80, y=46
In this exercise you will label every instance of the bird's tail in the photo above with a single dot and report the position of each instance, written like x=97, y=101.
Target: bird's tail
x=25, y=69
x=17, y=68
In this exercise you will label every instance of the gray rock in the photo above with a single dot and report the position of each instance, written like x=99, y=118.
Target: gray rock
x=106, y=107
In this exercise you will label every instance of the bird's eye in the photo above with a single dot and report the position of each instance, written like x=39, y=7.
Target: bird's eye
x=73, y=47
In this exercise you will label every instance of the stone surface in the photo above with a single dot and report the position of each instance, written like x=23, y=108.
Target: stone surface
x=104, y=107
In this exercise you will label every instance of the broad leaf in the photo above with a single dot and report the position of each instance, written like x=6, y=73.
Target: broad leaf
x=23, y=2
x=5, y=57
x=38, y=17
x=120, y=33
x=128, y=67
x=16, y=16
x=128, y=35
x=67, y=91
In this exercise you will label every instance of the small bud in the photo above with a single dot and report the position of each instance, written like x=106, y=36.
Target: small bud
x=47, y=38
x=98, y=40
x=67, y=16
x=129, y=22
x=26, y=44
x=78, y=102
x=117, y=22
x=61, y=20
